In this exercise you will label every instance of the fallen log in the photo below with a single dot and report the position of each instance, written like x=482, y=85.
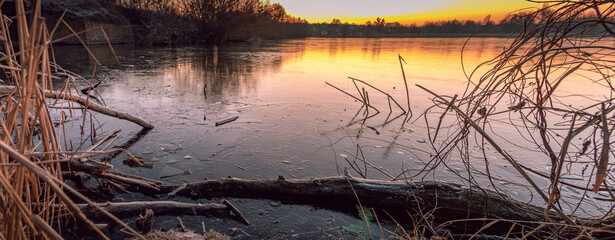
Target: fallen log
x=452, y=203
x=131, y=209
x=91, y=105
x=450, y=198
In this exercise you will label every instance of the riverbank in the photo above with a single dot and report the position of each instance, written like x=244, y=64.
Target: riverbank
x=97, y=22
x=83, y=18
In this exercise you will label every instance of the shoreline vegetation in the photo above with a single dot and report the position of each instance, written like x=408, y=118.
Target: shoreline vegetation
x=195, y=22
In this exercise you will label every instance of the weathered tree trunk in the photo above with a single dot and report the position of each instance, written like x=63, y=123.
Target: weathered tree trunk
x=452, y=199
x=448, y=200
x=456, y=201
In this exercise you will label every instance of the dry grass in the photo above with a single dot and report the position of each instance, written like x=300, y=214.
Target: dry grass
x=25, y=114
x=33, y=195
x=189, y=235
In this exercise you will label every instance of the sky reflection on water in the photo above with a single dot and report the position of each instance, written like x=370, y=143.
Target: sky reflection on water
x=290, y=122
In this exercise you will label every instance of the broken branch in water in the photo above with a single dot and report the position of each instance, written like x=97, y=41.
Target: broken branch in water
x=93, y=106
x=86, y=90
x=364, y=98
x=403, y=73
x=236, y=211
x=130, y=209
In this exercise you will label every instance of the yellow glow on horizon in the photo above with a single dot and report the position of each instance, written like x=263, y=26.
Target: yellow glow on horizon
x=403, y=11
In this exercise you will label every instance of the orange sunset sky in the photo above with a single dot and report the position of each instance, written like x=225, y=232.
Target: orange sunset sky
x=403, y=11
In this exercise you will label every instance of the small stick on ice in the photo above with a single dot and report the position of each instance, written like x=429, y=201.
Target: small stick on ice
x=225, y=121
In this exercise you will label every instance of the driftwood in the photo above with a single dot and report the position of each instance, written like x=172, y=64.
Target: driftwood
x=100, y=170
x=91, y=105
x=444, y=201
x=455, y=201
x=452, y=201
x=447, y=202
x=131, y=209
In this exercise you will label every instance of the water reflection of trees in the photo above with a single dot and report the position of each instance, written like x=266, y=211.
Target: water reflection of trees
x=225, y=71
x=423, y=47
x=210, y=22
x=236, y=68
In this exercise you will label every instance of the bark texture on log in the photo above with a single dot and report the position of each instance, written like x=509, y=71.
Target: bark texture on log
x=131, y=209
x=77, y=165
x=450, y=198
x=91, y=105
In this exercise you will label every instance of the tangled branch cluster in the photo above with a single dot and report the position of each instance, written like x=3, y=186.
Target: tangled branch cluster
x=564, y=46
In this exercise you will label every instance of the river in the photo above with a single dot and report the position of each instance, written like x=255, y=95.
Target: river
x=290, y=122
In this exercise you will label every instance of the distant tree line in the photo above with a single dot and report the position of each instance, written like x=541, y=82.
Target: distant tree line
x=217, y=21
x=208, y=21
x=181, y=22
x=381, y=28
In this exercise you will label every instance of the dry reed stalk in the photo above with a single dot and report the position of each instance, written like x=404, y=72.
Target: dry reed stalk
x=32, y=196
x=360, y=100
x=403, y=73
x=22, y=116
x=389, y=97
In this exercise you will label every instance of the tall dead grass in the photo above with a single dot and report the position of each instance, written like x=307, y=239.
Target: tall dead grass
x=25, y=119
x=33, y=199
